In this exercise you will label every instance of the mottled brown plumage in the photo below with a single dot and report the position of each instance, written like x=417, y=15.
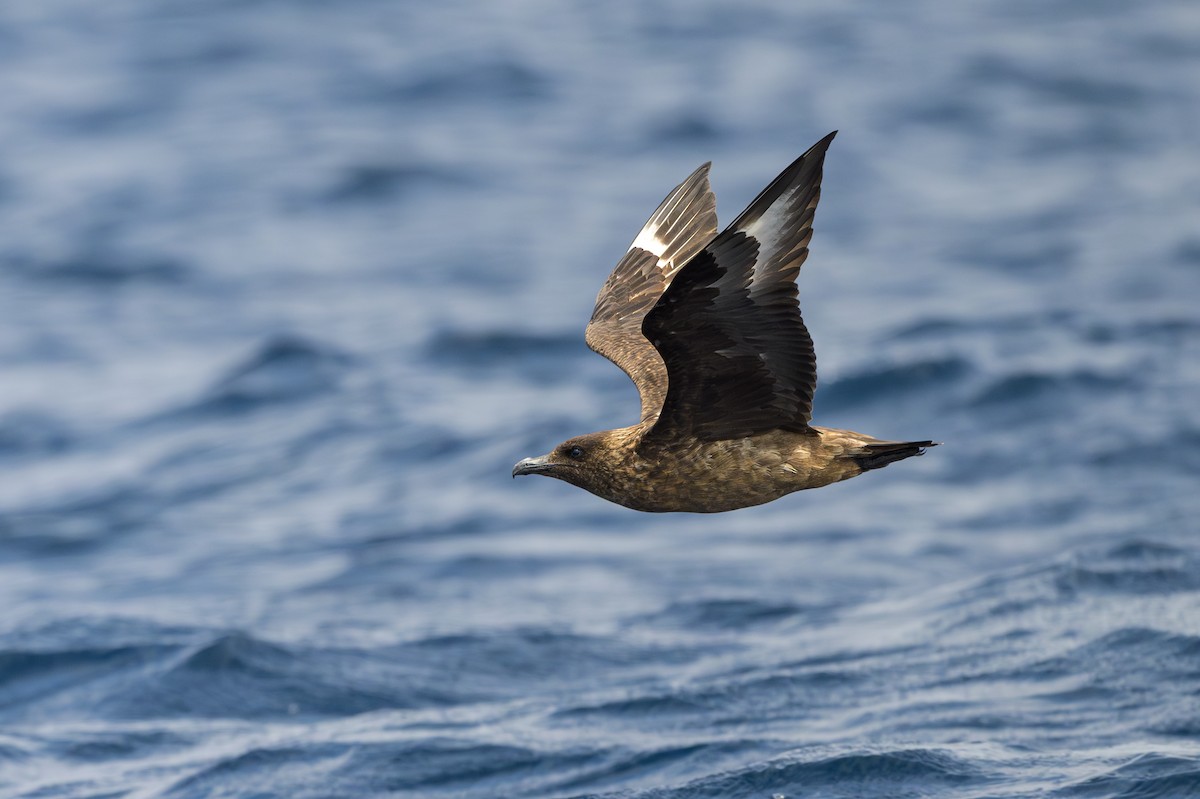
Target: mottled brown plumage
x=709, y=329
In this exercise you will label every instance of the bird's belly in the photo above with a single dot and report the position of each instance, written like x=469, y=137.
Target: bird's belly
x=726, y=475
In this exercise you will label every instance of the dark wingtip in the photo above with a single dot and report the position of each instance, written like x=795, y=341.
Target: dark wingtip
x=806, y=167
x=823, y=144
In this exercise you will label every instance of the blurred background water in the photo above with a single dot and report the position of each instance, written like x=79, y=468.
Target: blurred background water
x=287, y=287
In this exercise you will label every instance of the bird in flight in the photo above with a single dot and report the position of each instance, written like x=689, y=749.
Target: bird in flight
x=709, y=329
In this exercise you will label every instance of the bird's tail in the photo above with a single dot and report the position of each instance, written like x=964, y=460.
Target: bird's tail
x=881, y=453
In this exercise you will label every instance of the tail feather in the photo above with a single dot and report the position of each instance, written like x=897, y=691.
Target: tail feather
x=876, y=456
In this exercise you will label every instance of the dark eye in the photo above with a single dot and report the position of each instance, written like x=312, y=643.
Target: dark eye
x=575, y=453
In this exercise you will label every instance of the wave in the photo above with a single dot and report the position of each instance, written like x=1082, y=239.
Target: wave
x=1147, y=775
x=1013, y=392
x=100, y=268
x=892, y=383
x=456, y=80
x=239, y=676
x=284, y=369
x=373, y=182
x=434, y=765
x=33, y=433
x=78, y=524
x=884, y=772
x=494, y=348
x=727, y=614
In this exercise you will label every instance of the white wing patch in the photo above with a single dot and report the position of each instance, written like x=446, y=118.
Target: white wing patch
x=681, y=226
x=768, y=227
x=649, y=241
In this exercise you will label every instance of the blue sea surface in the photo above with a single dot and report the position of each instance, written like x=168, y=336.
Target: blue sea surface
x=287, y=287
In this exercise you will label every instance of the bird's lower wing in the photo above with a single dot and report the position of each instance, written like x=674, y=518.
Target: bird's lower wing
x=678, y=230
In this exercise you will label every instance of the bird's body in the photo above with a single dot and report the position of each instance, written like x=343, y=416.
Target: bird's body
x=709, y=329
x=713, y=476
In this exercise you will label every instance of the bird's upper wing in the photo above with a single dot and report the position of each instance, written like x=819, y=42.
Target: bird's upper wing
x=680, y=227
x=738, y=356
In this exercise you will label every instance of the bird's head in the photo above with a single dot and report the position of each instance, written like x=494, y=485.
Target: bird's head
x=591, y=462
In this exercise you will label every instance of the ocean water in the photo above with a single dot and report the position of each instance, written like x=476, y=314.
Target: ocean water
x=287, y=287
